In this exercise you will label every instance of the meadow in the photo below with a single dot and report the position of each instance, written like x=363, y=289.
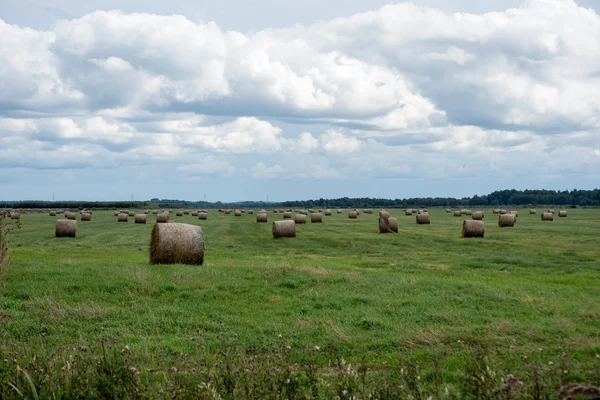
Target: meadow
x=340, y=311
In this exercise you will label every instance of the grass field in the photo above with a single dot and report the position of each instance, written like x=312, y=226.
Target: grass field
x=340, y=310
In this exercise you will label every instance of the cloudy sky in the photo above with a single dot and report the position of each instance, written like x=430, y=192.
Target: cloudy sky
x=242, y=100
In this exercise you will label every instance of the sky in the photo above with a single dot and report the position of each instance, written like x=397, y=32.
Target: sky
x=238, y=100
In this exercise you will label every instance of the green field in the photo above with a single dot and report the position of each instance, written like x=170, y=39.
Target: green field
x=340, y=310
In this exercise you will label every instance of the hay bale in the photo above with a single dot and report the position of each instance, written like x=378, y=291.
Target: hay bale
x=66, y=228
x=261, y=217
x=473, y=228
x=147, y=212
x=368, y=211
x=275, y=211
x=506, y=220
x=287, y=215
x=551, y=210
x=496, y=211
x=532, y=211
x=384, y=214
x=179, y=213
x=284, y=229
x=515, y=213
x=469, y=212
x=203, y=215
x=562, y=213
x=339, y=211
x=15, y=215
x=448, y=211
x=70, y=215
x=502, y=212
x=388, y=225
x=300, y=218
x=195, y=213
x=123, y=217
x=311, y=210
x=408, y=211
x=162, y=218
x=155, y=212
x=423, y=219
x=177, y=244
x=463, y=211
x=131, y=214
x=316, y=217
x=186, y=212
x=238, y=213
x=250, y=212
x=328, y=213
x=477, y=215
x=140, y=218
x=353, y=215
x=457, y=213
x=52, y=213
x=415, y=211
x=547, y=217
x=227, y=212
x=86, y=217
x=116, y=213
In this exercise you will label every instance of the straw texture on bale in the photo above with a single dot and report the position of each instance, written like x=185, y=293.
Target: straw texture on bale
x=131, y=214
x=388, y=225
x=562, y=213
x=384, y=214
x=473, y=228
x=284, y=229
x=339, y=211
x=457, y=213
x=287, y=215
x=155, y=212
x=532, y=211
x=408, y=212
x=547, y=217
x=250, y=212
x=368, y=211
x=353, y=215
x=140, y=218
x=123, y=217
x=70, y=215
x=227, y=211
x=506, y=220
x=316, y=217
x=261, y=217
x=463, y=212
x=448, y=211
x=179, y=213
x=300, y=218
x=177, y=244
x=53, y=213
x=86, y=217
x=194, y=213
x=496, y=211
x=423, y=219
x=116, y=214
x=66, y=228
x=311, y=210
x=238, y=213
x=469, y=212
x=186, y=212
x=162, y=218
x=477, y=215
x=502, y=212
x=202, y=215
x=327, y=213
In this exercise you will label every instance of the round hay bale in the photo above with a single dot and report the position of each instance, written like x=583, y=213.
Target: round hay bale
x=70, y=215
x=162, y=218
x=263, y=211
x=66, y=228
x=502, y=212
x=562, y=213
x=384, y=214
x=86, y=217
x=261, y=217
x=473, y=228
x=300, y=218
x=457, y=213
x=388, y=225
x=423, y=219
x=303, y=212
x=448, y=211
x=547, y=217
x=275, y=211
x=368, y=211
x=477, y=215
x=408, y=212
x=140, y=218
x=177, y=244
x=123, y=217
x=496, y=211
x=186, y=212
x=147, y=212
x=469, y=212
x=316, y=217
x=284, y=229
x=227, y=212
x=311, y=210
x=53, y=213
x=287, y=215
x=515, y=213
x=195, y=213
x=414, y=211
x=179, y=213
x=250, y=212
x=353, y=215
x=155, y=212
x=463, y=211
x=15, y=215
x=116, y=213
x=243, y=211
x=506, y=220
x=551, y=210
x=532, y=211
x=131, y=214
x=238, y=213
x=202, y=215
x=339, y=211
x=328, y=213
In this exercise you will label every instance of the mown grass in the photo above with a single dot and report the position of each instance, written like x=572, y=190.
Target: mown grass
x=420, y=313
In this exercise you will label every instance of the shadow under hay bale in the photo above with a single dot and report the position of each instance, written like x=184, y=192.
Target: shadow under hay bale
x=284, y=229
x=177, y=244
x=261, y=217
x=473, y=228
x=506, y=220
x=388, y=225
x=66, y=228
x=140, y=218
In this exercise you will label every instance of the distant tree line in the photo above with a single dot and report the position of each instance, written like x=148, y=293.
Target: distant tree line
x=497, y=198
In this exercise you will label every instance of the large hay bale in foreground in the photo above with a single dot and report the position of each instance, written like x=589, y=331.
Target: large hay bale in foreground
x=284, y=229
x=562, y=213
x=70, y=215
x=53, y=213
x=123, y=217
x=388, y=225
x=384, y=214
x=423, y=219
x=287, y=215
x=202, y=215
x=86, y=216
x=261, y=217
x=353, y=215
x=477, y=215
x=457, y=213
x=316, y=217
x=547, y=216
x=66, y=228
x=473, y=228
x=162, y=218
x=177, y=244
x=140, y=218
x=300, y=218
x=506, y=220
